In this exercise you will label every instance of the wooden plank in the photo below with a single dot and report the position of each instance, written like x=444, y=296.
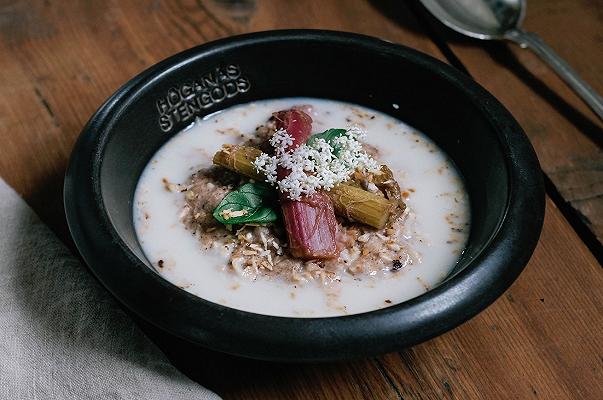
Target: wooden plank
x=542, y=339
x=566, y=134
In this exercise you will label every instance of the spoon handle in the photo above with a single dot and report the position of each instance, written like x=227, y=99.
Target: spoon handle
x=583, y=89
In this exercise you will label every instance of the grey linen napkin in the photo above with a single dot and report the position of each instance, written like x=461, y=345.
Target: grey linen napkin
x=61, y=335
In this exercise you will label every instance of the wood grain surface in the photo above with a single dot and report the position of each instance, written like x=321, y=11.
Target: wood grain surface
x=542, y=339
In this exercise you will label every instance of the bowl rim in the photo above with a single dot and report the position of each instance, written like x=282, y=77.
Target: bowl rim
x=288, y=338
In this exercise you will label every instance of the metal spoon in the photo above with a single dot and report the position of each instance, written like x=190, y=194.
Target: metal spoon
x=501, y=20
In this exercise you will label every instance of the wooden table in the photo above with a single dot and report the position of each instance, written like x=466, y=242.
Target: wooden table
x=542, y=339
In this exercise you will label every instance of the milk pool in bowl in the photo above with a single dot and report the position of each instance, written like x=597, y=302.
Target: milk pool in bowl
x=436, y=198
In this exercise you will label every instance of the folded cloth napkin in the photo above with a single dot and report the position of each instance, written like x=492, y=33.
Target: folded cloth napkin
x=61, y=335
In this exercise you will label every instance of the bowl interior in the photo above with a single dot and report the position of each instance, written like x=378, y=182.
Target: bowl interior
x=427, y=99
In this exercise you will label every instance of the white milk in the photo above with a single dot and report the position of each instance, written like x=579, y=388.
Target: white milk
x=437, y=198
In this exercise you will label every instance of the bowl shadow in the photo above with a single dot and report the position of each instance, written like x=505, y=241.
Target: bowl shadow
x=500, y=53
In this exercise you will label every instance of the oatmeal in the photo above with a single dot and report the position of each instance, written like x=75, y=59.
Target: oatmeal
x=365, y=257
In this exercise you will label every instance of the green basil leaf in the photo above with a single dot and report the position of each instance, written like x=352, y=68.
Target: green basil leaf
x=329, y=136
x=263, y=215
x=257, y=193
x=252, y=200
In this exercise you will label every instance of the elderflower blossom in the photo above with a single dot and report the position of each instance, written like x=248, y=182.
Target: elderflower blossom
x=281, y=139
x=314, y=166
x=267, y=165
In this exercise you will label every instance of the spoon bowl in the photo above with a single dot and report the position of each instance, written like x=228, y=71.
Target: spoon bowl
x=480, y=19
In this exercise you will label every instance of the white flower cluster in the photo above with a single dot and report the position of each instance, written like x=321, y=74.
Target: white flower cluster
x=314, y=166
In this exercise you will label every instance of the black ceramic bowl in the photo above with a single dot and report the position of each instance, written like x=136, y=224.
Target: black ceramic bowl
x=499, y=166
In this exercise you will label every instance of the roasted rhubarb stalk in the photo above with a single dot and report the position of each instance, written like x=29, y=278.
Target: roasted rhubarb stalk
x=310, y=221
x=239, y=159
x=349, y=201
x=311, y=226
x=360, y=205
x=297, y=123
